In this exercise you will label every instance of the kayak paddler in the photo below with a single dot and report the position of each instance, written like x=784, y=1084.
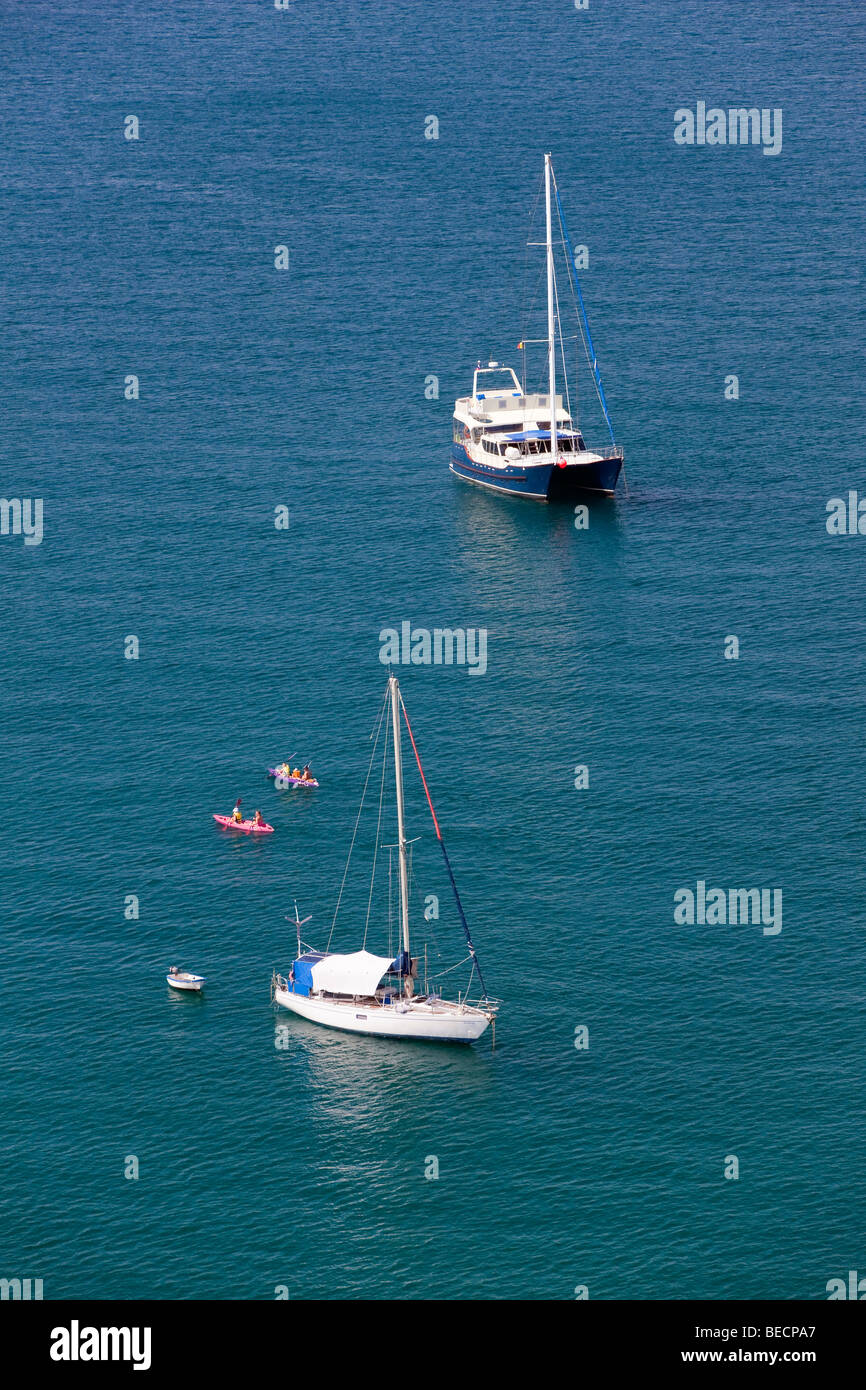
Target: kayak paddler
x=307, y=774
x=257, y=819
x=237, y=813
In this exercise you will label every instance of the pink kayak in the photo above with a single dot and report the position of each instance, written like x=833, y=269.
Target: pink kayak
x=247, y=825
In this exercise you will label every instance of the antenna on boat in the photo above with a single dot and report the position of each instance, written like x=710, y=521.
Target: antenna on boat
x=298, y=921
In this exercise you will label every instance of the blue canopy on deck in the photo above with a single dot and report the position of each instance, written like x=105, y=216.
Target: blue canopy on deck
x=539, y=434
x=301, y=977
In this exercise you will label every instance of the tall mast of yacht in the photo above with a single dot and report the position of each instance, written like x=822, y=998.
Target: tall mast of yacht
x=551, y=314
x=401, y=832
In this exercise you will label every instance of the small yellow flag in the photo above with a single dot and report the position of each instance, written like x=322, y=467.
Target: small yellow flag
x=519, y=347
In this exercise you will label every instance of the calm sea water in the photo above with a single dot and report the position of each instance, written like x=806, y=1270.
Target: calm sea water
x=303, y=1165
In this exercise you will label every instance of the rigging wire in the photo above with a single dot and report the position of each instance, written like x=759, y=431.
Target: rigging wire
x=588, y=348
x=523, y=293
x=440, y=973
x=539, y=281
x=390, y=901
x=378, y=729
x=462, y=914
x=429, y=928
x=562, y=355
x=378, y=828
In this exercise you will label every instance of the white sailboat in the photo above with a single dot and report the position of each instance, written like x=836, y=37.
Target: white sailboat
x=361, y=992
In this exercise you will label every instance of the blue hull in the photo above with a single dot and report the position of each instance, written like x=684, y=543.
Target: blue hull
x=542, y=482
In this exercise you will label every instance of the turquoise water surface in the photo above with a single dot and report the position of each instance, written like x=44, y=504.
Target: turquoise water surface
x=298, y=1159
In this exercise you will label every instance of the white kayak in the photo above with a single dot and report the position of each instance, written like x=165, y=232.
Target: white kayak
x=183, y=979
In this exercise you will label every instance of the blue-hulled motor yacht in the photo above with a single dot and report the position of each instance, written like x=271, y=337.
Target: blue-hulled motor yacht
x=529, y=445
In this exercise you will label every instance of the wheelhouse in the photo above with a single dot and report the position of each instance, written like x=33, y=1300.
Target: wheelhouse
x=495, y=382
x=530, y=443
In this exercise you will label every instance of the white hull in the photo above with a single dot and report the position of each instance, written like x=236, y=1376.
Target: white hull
x=539, y=463
x=440, y=1021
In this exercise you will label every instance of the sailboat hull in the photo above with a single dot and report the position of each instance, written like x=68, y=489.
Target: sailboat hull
x=540, y=482
x=439, y=1021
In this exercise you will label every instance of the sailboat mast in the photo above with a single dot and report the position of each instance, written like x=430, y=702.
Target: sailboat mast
x=551, y=313
x=401, y=832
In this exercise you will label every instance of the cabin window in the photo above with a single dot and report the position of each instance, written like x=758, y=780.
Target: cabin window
x=457, y=434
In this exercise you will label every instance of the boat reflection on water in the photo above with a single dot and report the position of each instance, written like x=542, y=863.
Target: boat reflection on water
x=364, y=1080
x=186, y=998
x=520, y=546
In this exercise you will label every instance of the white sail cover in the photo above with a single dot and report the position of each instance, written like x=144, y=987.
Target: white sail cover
x=358, y=973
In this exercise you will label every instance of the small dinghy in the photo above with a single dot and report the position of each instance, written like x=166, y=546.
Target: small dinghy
x=183, y=979
x=290, y=780
x=248, y=826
